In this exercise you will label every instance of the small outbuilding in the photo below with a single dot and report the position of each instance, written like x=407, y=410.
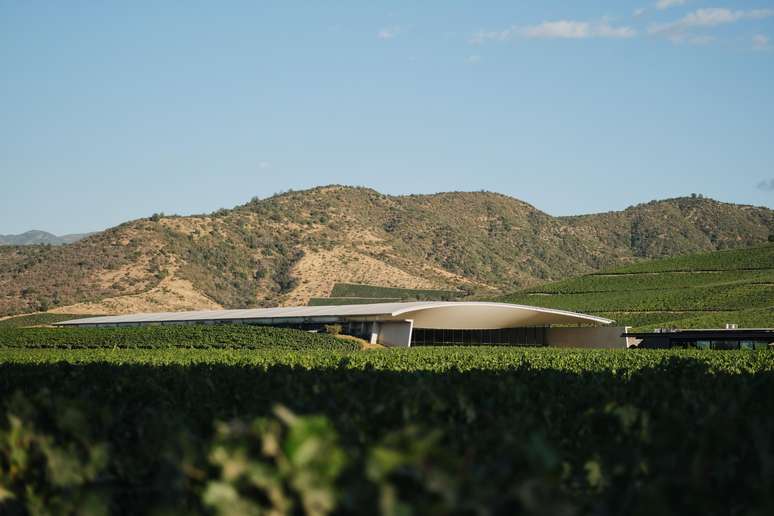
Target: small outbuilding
x=713, y=338
x=409, y=324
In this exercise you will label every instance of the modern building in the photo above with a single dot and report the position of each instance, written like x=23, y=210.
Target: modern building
x=718, y=338
x=409, y=324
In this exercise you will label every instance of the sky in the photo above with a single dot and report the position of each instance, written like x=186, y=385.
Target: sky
x=111, y=111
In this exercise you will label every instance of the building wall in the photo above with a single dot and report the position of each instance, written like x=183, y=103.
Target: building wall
x=396, y=334
x=609, y=337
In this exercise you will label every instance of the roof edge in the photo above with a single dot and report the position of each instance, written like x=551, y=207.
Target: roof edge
x=594, y=318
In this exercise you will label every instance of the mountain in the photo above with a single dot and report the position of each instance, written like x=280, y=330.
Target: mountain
x=704, y=290
x=36, y=237
x=294, y=246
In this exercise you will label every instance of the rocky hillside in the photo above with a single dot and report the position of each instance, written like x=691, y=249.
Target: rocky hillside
x=297, y=245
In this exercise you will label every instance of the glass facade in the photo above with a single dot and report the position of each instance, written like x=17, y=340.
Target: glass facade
x=530, y=336
x=706, y=343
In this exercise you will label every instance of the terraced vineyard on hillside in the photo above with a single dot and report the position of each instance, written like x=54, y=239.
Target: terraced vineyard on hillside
x=354, y=293
x=695, y=291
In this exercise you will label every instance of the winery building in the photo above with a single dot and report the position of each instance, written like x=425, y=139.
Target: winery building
x=409, y=324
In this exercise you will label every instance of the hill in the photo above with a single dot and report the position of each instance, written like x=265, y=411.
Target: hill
x=36, y=237
x=295, y=246
x=353, y=293
x=697, y=291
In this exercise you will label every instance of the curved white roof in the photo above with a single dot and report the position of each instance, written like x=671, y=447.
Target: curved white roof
x=425, y=314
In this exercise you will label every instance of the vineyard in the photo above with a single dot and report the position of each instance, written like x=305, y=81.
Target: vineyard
x=335, y=301
x=697, y=291
x=354, y=293
x=196, y=336
x=433, y=430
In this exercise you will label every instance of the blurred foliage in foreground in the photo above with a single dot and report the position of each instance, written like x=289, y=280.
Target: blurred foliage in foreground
x=436, y=431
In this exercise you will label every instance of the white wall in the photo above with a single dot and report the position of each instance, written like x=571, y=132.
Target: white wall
x=587, y=337
x=396, y=333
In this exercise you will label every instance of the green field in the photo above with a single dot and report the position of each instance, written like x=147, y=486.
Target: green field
x=704, y=290
x=354, y=293
x=435, y=430
x=333, y=301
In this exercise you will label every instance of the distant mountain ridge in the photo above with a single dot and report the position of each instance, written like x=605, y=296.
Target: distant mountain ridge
x=37, y=237
x=288, y=248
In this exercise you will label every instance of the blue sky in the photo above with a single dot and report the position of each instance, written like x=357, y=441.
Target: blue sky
x=111, y=111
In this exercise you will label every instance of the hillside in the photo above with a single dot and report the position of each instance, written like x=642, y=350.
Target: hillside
x=696, y=291
x=295, y=246
x=36, y=237
x=352, y=293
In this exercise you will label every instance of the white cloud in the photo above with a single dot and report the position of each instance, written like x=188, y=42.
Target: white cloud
x=604, y=30
x=681, y=31
x=708, y=18
x=666, y=4
x=760, y=41
x=639, y=12
x=558, y=29
x=561, y=29
x=388, y=32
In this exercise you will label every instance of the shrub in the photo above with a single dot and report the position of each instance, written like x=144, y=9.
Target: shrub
x=333, y=329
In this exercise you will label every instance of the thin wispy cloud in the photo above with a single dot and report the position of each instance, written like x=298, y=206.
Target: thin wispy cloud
x=760, y=42
x=710, y=17
x=560, y=29
x=683, y=30
x=639, y=12
x=388, y=32
x=666, y=4
x=766, y=185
